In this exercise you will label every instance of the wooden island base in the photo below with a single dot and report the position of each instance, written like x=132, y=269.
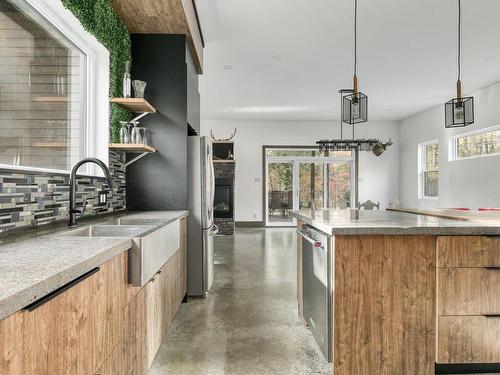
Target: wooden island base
x=388, y=317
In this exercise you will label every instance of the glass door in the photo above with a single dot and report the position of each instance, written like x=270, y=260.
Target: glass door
x=301, y=179
x=280, y=193
x=339, y=179
x=311, y=185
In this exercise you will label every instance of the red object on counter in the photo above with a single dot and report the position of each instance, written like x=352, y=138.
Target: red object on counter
x=489, y=209
x=458, y=208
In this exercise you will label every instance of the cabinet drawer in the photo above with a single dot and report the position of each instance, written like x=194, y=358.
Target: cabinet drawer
x=468, y=291
x=468, y=339
x=468, y=251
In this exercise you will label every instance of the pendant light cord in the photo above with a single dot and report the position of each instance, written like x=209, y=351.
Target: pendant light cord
x=356, y=37
x=459, y=39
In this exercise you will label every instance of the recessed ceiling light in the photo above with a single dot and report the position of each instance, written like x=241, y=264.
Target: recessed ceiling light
x=491, y=58
x=277, y=57
x=228, y=67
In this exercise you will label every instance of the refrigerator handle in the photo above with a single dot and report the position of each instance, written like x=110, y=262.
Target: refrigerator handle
x=213, y=187
x=210, y=204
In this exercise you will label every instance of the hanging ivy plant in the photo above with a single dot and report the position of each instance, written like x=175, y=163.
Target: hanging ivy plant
x=100, y=19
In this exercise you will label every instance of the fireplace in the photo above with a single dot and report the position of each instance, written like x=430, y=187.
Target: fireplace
x=224, y=198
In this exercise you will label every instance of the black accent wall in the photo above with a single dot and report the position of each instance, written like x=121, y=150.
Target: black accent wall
x=159, y=181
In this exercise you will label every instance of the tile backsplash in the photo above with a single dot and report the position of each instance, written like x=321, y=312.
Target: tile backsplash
x=37, y=198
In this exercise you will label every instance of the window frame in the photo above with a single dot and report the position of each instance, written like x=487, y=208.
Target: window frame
x=453, y=146
x=96, y=112
x=422, y=169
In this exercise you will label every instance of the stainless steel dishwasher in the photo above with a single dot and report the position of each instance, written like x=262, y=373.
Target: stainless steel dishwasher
x=317, y=286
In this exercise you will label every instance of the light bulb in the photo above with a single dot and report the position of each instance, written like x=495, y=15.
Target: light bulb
x=355, y=110
x=459, y=113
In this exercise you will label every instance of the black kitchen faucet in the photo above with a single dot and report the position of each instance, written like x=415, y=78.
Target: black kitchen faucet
x=73, y=210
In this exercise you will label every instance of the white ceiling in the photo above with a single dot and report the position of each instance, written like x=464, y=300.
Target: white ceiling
x=406, y=54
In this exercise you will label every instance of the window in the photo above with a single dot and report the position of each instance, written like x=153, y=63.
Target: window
x=313, y=152
x=54, y=81
x=428, y=169
x=484, y=142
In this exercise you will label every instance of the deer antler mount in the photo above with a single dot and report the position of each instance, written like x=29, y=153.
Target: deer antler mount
x=223, y=139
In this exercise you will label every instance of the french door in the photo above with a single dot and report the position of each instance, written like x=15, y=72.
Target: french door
x=303, y=183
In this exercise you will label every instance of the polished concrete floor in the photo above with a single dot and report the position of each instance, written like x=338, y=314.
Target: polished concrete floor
x=248, y=324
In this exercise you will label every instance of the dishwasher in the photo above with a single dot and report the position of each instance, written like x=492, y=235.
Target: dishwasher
x=317, y=286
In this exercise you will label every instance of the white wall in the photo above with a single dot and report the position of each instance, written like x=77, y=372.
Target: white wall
x=470, y=183
x=379, y=176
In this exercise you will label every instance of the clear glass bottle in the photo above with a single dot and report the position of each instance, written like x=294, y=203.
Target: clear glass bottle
x=124, y=133
x=127, y=81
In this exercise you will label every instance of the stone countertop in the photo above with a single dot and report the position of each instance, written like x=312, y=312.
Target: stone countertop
x=338, y=222
x=34, y=267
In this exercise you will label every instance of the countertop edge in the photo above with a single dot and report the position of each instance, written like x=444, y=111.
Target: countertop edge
x=476, y=229
x=20, y=300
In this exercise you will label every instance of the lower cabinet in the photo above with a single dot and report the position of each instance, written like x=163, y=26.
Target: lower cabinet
x=101, y=325
x=468, y=306
x=149, y=315
x=72, y=333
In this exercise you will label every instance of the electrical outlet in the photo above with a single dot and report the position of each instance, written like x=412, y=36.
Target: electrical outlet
x=102, y=198
x=40, y=203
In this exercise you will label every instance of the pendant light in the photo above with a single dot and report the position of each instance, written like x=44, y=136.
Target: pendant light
x=459, y=112
x=355, y=106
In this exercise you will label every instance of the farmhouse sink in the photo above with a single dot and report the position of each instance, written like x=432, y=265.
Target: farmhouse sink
x=108, y=231
x=153, y=243
x=134, y=221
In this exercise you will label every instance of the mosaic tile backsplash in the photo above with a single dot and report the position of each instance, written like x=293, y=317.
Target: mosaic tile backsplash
x=30, y=199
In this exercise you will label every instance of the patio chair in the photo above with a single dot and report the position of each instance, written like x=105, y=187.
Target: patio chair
x=369, y=205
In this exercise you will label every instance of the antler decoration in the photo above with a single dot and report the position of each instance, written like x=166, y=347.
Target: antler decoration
x=223, y=139
x=380, y=147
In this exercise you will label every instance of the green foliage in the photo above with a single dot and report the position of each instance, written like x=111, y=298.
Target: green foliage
x=100, y=19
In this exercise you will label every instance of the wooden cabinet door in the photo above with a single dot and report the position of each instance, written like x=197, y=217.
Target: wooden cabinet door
x=468, y=339
x=384, y=305
x=73, y=333
x=468, y=291
x=134, y=335
x=114, y=364
x=468, y=251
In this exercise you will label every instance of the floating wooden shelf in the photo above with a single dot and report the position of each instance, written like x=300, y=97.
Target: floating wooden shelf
x=136, y=105
x=129, y=147
x=50, y=145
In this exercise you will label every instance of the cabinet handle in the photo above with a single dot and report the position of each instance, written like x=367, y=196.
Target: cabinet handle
x=491, y=316
x=492, y=268
x=42, y=301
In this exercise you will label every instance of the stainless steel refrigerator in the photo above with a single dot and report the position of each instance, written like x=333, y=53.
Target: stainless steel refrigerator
x=201, y=189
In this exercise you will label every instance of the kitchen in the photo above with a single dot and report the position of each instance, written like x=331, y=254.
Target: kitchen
x=231, y=187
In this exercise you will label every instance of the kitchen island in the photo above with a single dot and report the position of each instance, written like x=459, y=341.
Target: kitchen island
x=409, y=293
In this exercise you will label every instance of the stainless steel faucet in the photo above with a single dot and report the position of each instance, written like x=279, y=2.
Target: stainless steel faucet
x=73, y=210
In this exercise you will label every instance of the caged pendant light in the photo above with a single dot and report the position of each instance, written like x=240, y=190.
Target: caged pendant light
x=355, y=106
x=459, y=112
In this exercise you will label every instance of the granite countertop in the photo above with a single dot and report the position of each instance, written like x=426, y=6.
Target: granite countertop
x=338, y=222
x=33, y=266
